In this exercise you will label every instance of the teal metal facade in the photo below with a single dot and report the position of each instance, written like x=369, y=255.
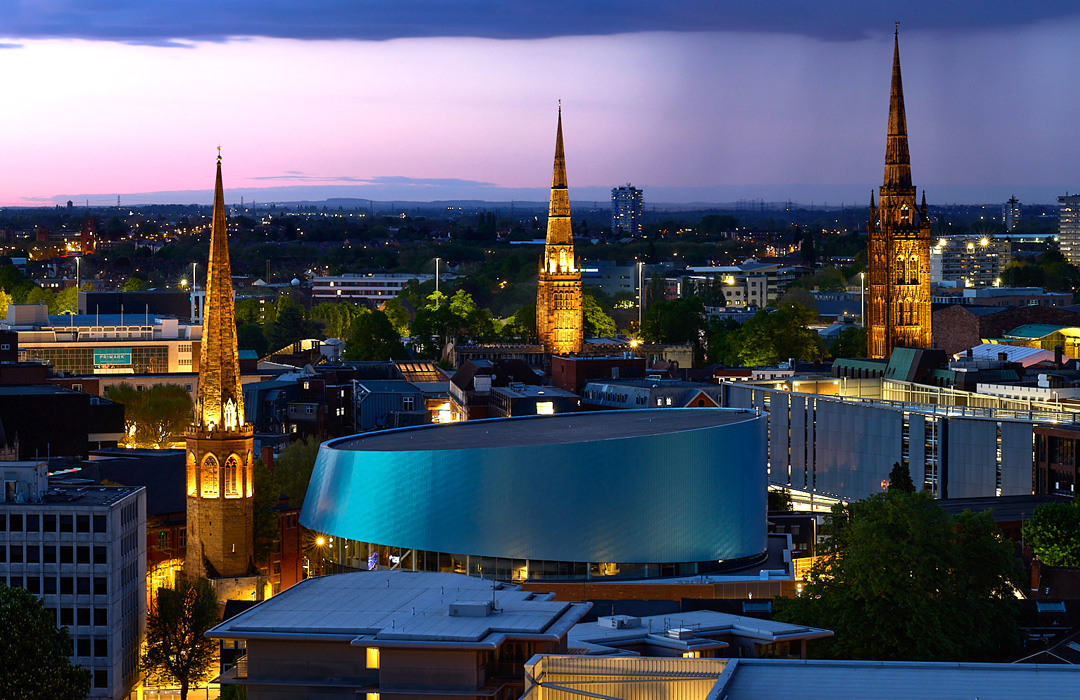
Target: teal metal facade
x=696, y=495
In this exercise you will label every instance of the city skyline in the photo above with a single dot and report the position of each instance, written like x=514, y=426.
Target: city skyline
x=693, y=105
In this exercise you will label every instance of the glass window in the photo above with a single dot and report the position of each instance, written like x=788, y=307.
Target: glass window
x=50, y=585
x=49, y=522
x=82, y=616
x=49, y=552
x=101, y=678
x=15, y=523
x=67, y=617
x=101, y=617
x=83, y=585
x=67, y=523
x=33, y=522
x=82, y=555
x=82, y=523
x=67, y=554
x=99, y=523
x=100, y=556
x=67, y=585
x=101, y=585
x=33, y=554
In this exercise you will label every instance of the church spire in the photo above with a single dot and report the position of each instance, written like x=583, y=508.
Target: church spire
x=220, y=400
x=897, y=158
x=558, y=230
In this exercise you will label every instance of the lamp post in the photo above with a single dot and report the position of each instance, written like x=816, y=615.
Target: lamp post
x=862, y=299
x=437, y=282
x=640, y=293
x=78, y=272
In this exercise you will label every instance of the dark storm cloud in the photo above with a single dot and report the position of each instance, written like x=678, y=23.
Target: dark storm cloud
x=161, y=22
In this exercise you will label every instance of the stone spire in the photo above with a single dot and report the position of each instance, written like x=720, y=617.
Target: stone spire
x=558, y=228
x=897, y=158
x=220, y=400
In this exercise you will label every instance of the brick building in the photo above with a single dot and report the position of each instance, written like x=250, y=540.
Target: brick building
x=958, y=327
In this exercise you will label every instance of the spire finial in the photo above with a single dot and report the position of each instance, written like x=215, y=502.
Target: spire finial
x=896, y=32
x=219, y=152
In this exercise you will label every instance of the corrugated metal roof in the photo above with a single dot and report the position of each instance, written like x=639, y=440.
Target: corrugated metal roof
x=1030, y=331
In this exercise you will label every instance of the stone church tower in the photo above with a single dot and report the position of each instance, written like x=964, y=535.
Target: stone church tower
x=559, y=325
x=899, y=244
x=220, y=488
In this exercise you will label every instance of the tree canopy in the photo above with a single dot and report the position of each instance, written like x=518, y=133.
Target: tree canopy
x=176, y=649
x=901, y=580
x=154, y=417
x=293, y=467
x=771, y=336
x=35, y=652
x=900, y=479
x=372, y=337
x=1053, y=533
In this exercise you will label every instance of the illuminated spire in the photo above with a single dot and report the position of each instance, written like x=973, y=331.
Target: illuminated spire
x=220, y=399
x=897, y=159
x=558, y=230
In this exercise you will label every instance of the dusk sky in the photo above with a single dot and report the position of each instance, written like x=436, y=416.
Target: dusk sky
x=693, y=101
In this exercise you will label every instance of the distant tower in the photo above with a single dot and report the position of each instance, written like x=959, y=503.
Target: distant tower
x=899, y=244
x=558, y=290
x=1012, y=213
x=220, y=488
x=1069, y=227
x=626, y=210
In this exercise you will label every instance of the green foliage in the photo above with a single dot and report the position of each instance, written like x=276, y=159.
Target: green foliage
x=5, y=302
x=337, y=317
x=395, y=311
x=780, y=499
x=773, y=336
x=441, y=319
x=900, y=479
x=267, y=495
x=800, y=296
x=373, y=337
x=288, y=326
x=850, y=342
x=176, y=650
x=35, y=652
x=724, y=341
x=250, y=336
x=133, y=284
x=15, y=283
x=522, y=325
x=675, y=321
x=40, y=295
x=598, y=324
x=154, y=417
x=1051, y=271
x=292, y=469
x=1053, y=533
x=902, y=581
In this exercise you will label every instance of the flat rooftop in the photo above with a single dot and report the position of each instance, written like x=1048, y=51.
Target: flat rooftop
x=377, y=607
x=560, y=429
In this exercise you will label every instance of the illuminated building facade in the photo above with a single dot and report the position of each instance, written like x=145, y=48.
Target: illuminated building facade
x=898, y=307
x=1011, y=213
x=626, y=210
x=559, y=324
x=220, y=485
x=1069, y=227
x=970, y=261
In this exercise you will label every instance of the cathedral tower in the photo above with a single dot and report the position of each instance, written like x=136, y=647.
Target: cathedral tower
x=220, y=488
x=898, y=244
x=558, y=290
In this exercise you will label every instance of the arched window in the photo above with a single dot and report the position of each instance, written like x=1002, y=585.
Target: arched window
x=913, y=269
x=248, y=476
x=210, y=477
x=192, y=487
x=232, y=477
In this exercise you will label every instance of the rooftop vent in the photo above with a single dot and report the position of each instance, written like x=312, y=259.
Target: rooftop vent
x=680, y=633
x=471, y=609
x=619, y=622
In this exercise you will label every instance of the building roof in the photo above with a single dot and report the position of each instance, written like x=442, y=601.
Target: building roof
x=564, y=429
x=1034, y=331
x=601, y=637
x=381, y=608
x=1013, y=353
x=387, y=386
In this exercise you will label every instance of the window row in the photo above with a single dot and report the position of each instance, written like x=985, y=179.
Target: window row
x=52, y=522
x=15, y=553
x=82, y=617
x=62, y=585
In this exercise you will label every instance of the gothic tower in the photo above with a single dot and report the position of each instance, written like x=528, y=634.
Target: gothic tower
x=558, y=290
x=220, y=488
x=898, y=244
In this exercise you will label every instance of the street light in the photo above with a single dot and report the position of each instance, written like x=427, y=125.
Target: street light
x=437, y=282
x=640, y=292
x=862, y=299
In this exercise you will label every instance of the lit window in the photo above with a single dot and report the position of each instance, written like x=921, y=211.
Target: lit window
x=545, y=408
x=373, y=662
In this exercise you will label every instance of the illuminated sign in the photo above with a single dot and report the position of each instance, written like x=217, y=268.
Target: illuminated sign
x=112, y=357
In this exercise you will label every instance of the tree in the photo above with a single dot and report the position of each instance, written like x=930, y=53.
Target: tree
x=1053, y=533
x=5, y=302
x=293, y=467
x=395, y=311
x=163, y=415
x=176, y=649
x=40, y=295
x=288, y=326
x=337, y=317
x=850, y=342
x=900, y=479
x=674, y=321
x=133, y=284
x=267, y=496
x=250, y=336
x=901, y=580
x=598, y=324
x=373, y=337
x=35, y=652
x=772, y=336
x=779, y=499
x=127, y=395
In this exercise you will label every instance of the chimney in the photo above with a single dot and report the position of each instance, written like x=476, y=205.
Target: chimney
x=971, y=353
x=1036, y=573
x=1002, y=356
x=1058, y=356
x=267, y=455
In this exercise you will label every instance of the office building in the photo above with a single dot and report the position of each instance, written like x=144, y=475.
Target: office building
x=581, y=496
x=898, y=248
x=1069, y=227
x=969, y=261
x=1011, y=213
x=559, y=321
x=626, y=211
x=220, y=483
x=125, y=343
x=395, y=635
x=373, y=286
x=82, y=549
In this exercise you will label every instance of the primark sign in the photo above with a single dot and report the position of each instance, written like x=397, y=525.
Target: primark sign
x=112, y=357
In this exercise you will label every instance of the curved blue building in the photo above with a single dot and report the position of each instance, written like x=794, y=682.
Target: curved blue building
x=627, y=494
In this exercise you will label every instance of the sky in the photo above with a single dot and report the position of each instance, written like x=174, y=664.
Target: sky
x=697, y=101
